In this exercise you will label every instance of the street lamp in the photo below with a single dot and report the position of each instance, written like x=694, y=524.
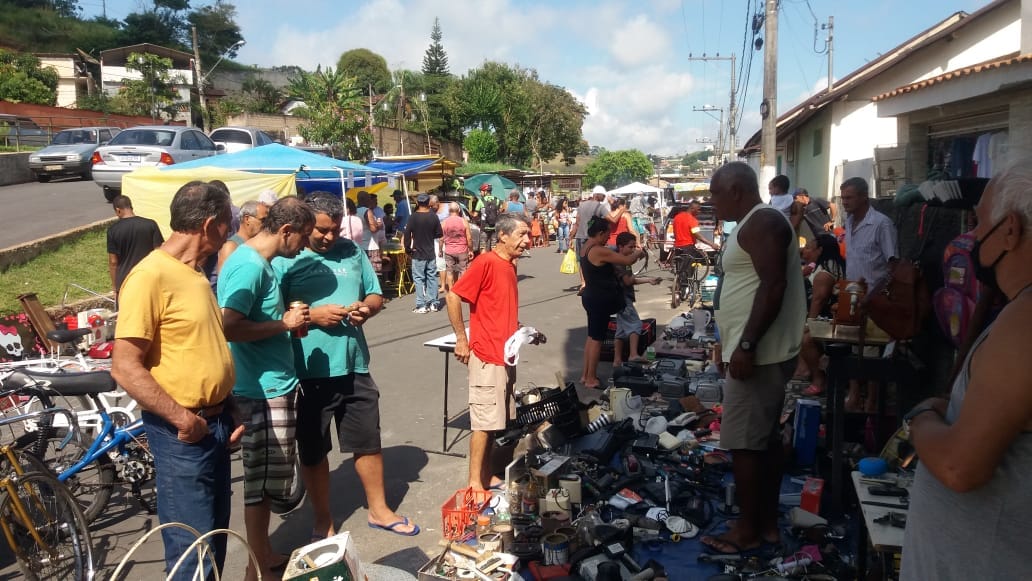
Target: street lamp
x=203, y=78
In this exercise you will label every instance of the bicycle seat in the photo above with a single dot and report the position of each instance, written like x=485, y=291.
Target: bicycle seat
x=77, y=382
x=67, y=336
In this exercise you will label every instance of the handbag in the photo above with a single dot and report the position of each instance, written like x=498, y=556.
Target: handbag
x=904, y=302
x=901, y=307
x=569, y=265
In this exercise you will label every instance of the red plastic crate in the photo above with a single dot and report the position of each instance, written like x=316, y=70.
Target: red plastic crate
x=461, y=510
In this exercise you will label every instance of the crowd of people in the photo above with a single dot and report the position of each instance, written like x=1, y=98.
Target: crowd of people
x=276, y=357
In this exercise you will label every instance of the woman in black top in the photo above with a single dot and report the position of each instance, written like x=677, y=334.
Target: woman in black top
x=603, y=294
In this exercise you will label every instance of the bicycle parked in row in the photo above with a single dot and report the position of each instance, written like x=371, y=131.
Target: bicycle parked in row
x=118, y=452
x=39, y=517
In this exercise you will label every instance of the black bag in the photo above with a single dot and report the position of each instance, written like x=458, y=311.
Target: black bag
x=490, y=213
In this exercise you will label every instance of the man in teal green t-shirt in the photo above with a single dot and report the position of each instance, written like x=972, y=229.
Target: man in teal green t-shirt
x=256, y=324
x=335, y=277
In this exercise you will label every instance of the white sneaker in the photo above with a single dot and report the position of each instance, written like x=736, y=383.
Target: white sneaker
x=420, y=310
x=434, y=307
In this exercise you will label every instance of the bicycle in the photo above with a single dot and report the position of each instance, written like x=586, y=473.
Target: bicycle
x=116, y=403
x=41, y=520
x=691, y=267
x=119, y=450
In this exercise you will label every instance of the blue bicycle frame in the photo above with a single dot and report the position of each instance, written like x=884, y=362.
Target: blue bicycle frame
x=108, y=438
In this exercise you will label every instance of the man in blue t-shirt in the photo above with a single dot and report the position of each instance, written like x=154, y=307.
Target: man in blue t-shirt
x=256, y=325
x=402, y=210
x=337, y=280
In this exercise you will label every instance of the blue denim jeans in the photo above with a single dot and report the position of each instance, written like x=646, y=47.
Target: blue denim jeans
x=193, y=486
x=424, y=275
x=562, y=236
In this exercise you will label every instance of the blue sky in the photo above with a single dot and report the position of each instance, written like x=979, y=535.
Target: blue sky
x=625, y=59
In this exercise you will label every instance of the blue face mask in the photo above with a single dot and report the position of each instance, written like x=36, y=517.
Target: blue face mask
x=986, y=274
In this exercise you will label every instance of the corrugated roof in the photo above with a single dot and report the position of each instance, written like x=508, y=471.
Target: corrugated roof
x=997, y=63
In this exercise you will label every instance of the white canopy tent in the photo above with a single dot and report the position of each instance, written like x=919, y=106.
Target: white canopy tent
x=635, y=188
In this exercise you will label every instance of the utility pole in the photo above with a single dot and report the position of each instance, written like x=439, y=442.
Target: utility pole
x=720, y=134
x=769, y=106
x=830, y=27
x=197, y=72
x=732, y=116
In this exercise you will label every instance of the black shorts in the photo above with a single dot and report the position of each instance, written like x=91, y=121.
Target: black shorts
x=352, y=401
x=599, y=309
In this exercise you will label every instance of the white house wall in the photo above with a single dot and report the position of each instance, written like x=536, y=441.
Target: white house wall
x=856, y=130
x=66, y=76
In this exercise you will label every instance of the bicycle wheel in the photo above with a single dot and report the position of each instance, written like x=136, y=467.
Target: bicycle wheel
x=91, y=486
x=677, y=288
x=46, y=530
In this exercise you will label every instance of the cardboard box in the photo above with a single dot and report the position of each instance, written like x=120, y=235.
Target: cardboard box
x=335, y=559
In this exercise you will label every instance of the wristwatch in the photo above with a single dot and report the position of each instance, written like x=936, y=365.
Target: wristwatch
x=907, y=419
x=747, y=345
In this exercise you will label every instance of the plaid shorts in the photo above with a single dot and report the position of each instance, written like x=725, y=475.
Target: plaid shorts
x=268, y=446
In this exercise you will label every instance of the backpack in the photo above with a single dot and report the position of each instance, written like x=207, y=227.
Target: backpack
x=954, y=303
x=490, y=214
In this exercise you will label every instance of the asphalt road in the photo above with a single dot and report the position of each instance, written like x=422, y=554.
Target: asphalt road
x=418, y=478
x=36, y=210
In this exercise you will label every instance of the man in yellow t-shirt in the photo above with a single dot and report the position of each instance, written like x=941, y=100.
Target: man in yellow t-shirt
x=171, y=356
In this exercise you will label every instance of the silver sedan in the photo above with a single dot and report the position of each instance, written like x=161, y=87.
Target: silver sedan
x=148, y=145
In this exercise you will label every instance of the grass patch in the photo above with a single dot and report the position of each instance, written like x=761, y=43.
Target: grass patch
x=82, y=261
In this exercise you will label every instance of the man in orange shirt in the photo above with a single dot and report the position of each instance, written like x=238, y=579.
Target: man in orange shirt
x=686, y=228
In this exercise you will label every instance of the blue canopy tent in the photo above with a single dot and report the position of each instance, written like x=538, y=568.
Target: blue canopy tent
x=312, y=171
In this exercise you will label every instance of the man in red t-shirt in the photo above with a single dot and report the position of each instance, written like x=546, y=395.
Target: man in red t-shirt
x=686, y=227
x=489, y=286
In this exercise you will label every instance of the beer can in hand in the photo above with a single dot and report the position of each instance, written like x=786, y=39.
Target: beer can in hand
x=302, y=331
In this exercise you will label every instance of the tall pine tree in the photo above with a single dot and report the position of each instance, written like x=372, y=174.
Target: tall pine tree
x=435, y=61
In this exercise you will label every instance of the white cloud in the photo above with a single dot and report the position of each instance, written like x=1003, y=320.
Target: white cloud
x=638, y=42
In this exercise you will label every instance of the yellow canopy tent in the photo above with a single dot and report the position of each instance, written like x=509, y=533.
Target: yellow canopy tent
x=152, y=189
x=352, y=194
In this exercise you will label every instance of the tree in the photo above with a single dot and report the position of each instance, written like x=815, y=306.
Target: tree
x=259, y=96
x=368, y=68
x=435, y=61
x=217, y=31
x=23, y=80
x=67, y=8
x=154, y=94
x=613, y=169
x=163, y=25
x=482, y=146
x=334, y=112
x=531, y=121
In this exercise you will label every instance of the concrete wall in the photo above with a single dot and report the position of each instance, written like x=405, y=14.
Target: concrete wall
x=14, y=168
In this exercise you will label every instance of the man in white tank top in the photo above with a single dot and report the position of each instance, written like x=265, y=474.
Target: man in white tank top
x=760, y=310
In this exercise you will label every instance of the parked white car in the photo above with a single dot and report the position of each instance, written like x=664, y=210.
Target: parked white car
x=148, y=145
x=240, y=138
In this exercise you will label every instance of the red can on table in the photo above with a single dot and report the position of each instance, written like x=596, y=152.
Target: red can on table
x=302, y=331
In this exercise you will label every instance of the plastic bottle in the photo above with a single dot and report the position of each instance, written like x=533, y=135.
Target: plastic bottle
x=650, y=353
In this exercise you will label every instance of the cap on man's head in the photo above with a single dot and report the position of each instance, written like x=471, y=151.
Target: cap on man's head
x=398, y=194
x=800, y=192
x=598, y=190
x=485, y=187
x=423, y=200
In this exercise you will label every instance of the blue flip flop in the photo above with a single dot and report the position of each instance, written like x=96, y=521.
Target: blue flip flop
x=393, y=527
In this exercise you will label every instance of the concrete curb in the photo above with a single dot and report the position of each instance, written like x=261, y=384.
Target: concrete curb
x=23, y=253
